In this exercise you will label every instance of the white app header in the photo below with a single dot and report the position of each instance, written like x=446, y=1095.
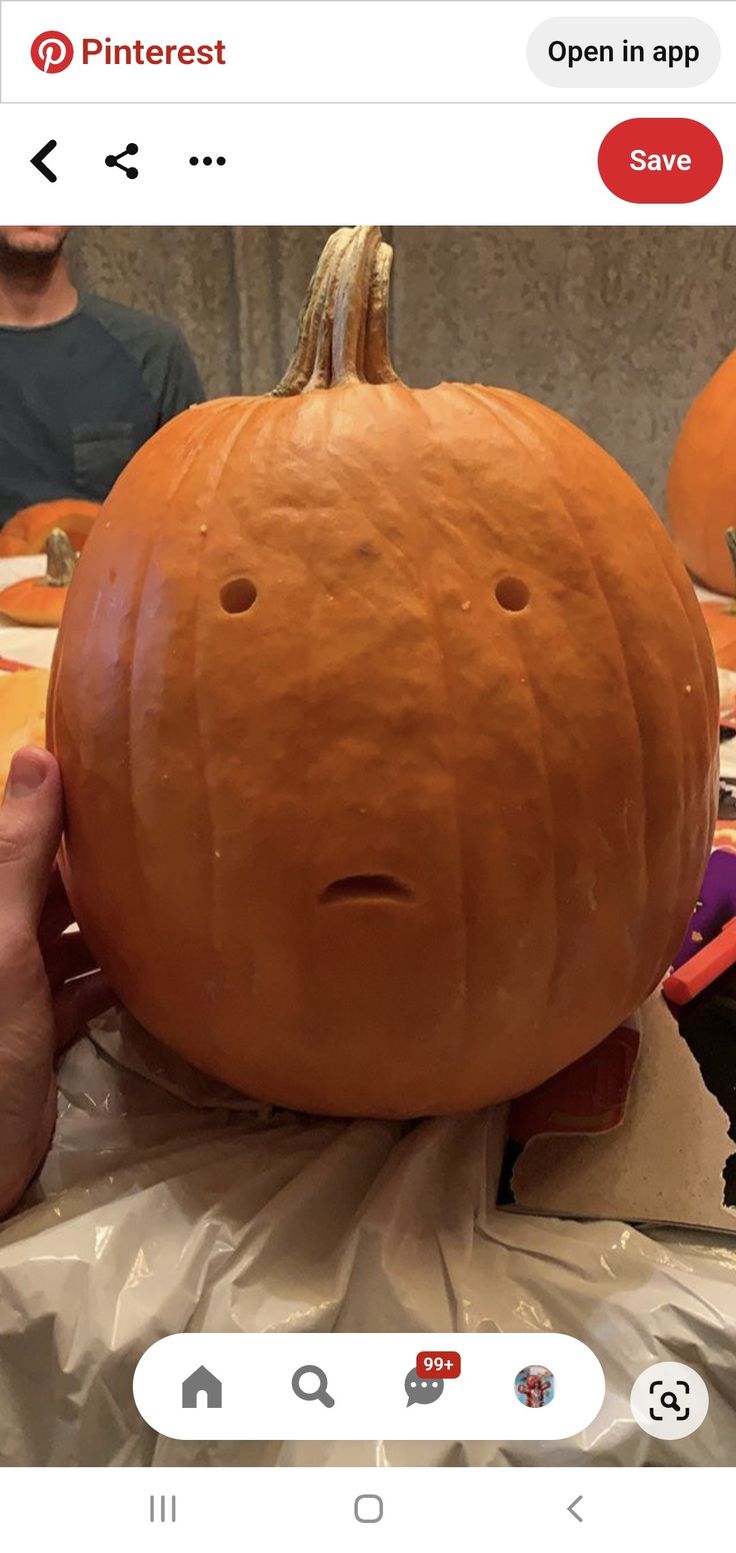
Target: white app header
x=369, y=51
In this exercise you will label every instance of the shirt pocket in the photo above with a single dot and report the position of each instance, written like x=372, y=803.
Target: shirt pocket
x=101, y=452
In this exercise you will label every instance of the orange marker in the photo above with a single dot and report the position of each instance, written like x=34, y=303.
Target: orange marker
x=9, y=665
x=704, y=967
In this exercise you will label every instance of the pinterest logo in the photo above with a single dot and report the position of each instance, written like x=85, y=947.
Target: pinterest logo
x=52, y=52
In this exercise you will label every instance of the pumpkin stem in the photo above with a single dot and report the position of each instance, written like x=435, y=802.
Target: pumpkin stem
x=730, y=538
x=729, y=535
x=61, y=559
x=343, y=326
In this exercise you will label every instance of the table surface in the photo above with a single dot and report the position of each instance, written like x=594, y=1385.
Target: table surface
x=28, y=644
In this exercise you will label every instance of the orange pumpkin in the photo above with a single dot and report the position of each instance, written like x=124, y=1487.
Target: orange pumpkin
x=27, y=532
x=388, y=728
x=22, y=714
x=39, y=601
x=701, y=490
x=720, y=617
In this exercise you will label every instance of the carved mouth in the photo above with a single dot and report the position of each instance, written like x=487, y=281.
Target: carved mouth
x=366, y=887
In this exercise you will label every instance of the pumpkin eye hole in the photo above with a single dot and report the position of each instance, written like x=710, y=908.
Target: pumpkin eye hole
x=512, y=594
x=238, y=595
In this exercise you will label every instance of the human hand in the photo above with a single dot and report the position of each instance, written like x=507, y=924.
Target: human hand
x=49, y=985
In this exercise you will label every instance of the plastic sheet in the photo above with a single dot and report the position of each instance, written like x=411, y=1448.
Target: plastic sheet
x=168, y=1203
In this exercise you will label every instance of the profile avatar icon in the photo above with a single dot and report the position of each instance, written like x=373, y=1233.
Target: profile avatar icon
x=535, y=1386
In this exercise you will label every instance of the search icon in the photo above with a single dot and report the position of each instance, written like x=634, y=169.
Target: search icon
x=321, y=1394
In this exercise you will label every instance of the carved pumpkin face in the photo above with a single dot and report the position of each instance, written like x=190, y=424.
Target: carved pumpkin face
x=387, y=723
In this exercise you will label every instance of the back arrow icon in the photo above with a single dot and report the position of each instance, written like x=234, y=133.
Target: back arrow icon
x=573, y=1511
x=38, y=160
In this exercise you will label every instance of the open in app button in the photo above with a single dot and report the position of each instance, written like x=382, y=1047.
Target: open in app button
x=660, y=161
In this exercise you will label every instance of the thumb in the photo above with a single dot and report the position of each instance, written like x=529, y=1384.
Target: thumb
x=31, y=821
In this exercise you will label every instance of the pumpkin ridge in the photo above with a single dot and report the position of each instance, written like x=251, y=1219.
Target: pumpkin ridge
x=557, y=945
x=677, y=578
x=671, y=564
x=685, y=797
x=247, y=423
x=154, y=542
x=567, y=507
x=251, y=425
x=139, y=841
x=565, y=510
x=506, y=405
x=52, y=707
x=624, y=661
x=432, y=618
x=452, y=767
x=214, y=902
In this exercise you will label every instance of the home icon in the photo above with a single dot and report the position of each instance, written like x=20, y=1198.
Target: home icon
x=201, y=1381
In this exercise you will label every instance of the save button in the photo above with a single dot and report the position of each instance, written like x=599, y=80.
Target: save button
x=660, y=161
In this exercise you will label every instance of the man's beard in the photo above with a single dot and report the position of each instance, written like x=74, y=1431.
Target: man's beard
x=28, y=264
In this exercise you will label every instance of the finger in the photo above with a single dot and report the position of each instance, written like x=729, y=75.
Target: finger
x=77, y=1002
x=57, y=913
x=30, y=832
x=67, y=958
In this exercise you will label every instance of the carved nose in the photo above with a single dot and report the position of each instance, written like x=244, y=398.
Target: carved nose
x=366, y=887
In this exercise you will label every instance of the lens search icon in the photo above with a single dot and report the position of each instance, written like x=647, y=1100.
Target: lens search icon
x=318, y=1393
x=669, y=1400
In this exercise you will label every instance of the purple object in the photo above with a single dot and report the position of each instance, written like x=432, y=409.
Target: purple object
x=716, y=905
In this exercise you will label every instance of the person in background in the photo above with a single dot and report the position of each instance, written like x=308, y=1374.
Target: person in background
x=83, y=382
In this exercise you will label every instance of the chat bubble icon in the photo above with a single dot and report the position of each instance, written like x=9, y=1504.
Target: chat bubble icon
x=423, y=1389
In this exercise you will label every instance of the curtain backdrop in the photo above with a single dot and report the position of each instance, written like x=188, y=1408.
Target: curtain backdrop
x=616, y=327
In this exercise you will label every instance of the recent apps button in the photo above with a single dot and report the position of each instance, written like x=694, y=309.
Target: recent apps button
x=660, y=161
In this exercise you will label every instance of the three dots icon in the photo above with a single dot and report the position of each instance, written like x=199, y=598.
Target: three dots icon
x=207, y=161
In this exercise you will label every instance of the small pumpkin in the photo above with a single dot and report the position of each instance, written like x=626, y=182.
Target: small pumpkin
x=387, y=721
x=39, y=601
x=26, y=533
x=22, y=714
x=701, y=489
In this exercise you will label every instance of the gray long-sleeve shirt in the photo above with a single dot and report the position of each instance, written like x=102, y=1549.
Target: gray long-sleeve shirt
x=79, y=397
